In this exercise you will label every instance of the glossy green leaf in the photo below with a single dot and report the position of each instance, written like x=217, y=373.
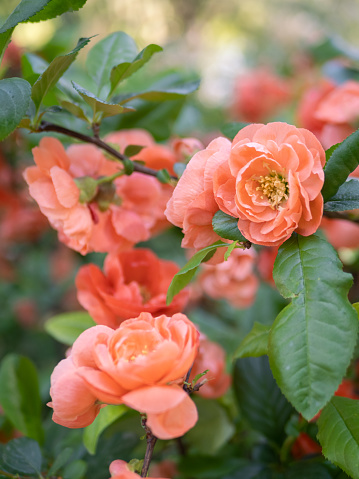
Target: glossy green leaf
x=67, y=327
x=19, y=395
x=23, y=455
x=343, y=160
x=226, y=226
x=231, y=129
x=125, y=70
x=54, y=72
x=185, y=274
x=211, y=417
x=97, y=105
x=259, y=398
x=108, y=53
x=255, y=344
x=330, y=151
x=339, y=434
x=106, y=417
x=173, y=93
x=312, y=339
x=14, y=100
x=346, y=198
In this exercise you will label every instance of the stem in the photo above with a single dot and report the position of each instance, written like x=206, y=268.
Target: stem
x=109, y=179
x=45, y=126
x=151, y=442
x=340, y=216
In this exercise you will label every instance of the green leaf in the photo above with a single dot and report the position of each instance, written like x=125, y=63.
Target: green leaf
x=54, y=72
x=255, y=344
x=98, y=105
x=226, y=226
x=14, y=100
x=173, y=93
x=211, y=417
x=125, y=70
x=344, y=160
x=23, y=12
x=19, y=395
x=67, y=327
x=57, y=7
x=132, y=150
x=346, y=198
x=230, y=130
x=330, y=151
x=108, y=53
x=339, y=434
x=307, y=470
x=129, y=166
x=185, y=274
x=230, y=248
x=61, y=459
x=107, y=416
x=260, y=399
x=75, y=110
x=75, y=470
x=4, y=42
x=163, y=176
x=23, y=455
x=312, y=339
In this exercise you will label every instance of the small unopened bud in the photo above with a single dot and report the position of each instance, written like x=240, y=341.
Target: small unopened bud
x=105, y=195
x=88, y=188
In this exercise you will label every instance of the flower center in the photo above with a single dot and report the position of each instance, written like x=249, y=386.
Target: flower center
x=274, y=187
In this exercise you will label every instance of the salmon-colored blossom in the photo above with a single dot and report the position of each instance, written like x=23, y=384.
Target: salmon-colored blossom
x=272, y=182
x=142, y=364
x=133, y=282
x=233, y=280
x=120, y=470
x=211, y=356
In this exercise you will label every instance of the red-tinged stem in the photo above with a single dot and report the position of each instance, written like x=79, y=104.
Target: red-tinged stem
x=151, y=442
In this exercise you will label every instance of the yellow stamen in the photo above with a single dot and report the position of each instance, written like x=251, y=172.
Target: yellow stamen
x=274, y=187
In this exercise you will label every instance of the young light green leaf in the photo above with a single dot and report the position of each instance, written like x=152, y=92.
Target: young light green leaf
x=54, y=72
x=226, y=226
x=230, y=248
x=346, y=198
x=14, y=100
x=57, y=7
x=106, y=54
x=231, y=129
x=125, y=70
x=339, y=434
x=174, y=93
x=97, y=105
x=185, y=274
x=199, y=376
x=75, y=110
x=19, y=395
x=67, y=327
x=255, y=344
x=23, y=455
x=106, y=417
x=318, y=321
x=343, y=160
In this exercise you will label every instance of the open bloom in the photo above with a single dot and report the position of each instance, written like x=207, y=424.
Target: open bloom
x=120, y=470
x=272, y=182
x=233, y=280
x=133, y=282
x=141, y=364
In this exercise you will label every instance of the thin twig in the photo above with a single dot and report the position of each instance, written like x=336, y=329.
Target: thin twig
x=45, y=126
x=151, y=442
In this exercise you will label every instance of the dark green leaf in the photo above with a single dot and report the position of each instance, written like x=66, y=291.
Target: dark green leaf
x=19, y=395
x=129, y=166
x=56, y=8
x=67, y=327
x=163, y=176
x=75, y=470
x=260, y=399
x=125, y=70
x=23, y=11
x=319, y=321
x=339, y=434
x=231, y=129
x=14, y=100
x=106, y=417
x=174, y=93
x=185, y=274
x=54, y=72
x=227, y=227
x=60, y=460
x=211, y=417
x=255, y=344
x=132, y=150
x=23, y=456
x=346, y=198
x=344, y=160
x=98, y=105
x=4, y=41
x=330, y=151
x=106, y=54
x=307, y=470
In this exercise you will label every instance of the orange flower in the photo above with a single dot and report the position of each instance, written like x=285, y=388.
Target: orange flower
x=259, y=94
x=141, y=364
x=133, y=282
x=192, y=205
x=211, y=356
x=120, y=470
x=272, y=182
x=233, y=280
